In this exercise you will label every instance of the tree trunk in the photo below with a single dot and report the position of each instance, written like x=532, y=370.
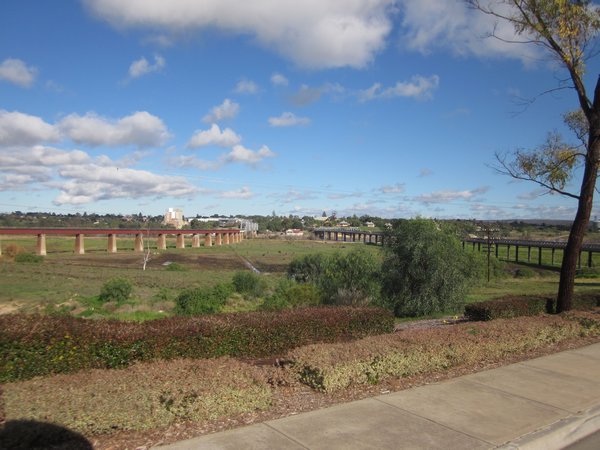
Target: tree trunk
x=580, y=224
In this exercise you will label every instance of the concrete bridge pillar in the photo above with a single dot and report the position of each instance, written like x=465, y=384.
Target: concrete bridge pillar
x=79, y=244
x=195, y=240
x=112, y=243
x=161, y=242
x=41, y=245
x=138, y=245
x=207, y=240
x=226, y=238
x=240, y=236
x=218, y=240
x=180, y=241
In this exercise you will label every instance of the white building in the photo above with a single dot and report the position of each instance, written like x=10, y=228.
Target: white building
x=174, y=216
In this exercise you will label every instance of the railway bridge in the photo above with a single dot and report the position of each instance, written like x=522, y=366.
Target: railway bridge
x=220, y=237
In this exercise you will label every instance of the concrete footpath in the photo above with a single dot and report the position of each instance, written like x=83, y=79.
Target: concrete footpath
x=544, y=403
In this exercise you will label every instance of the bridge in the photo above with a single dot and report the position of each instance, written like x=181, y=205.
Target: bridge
x=517, y=244
x=348, y=234
x=221, y=237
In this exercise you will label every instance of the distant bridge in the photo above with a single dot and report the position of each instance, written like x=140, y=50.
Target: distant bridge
x=517, y=244
x=229, y=236
x=348, y=234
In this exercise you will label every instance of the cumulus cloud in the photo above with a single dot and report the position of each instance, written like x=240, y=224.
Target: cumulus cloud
x=449, y=196
x=214, y=136
x=311, y=33
x=429, y=25
x=243, y=193
x=226, y=110
x=307, y=94
x=279, y=80
x=419, y=87
x=243, y=155
x=17, y=72
x=141, y=129
x=288, y=119
x=17, y=128
x=246, y=87
x=193, y=162
x=142, y=66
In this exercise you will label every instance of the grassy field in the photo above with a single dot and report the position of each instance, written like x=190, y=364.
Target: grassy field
x=65, y=282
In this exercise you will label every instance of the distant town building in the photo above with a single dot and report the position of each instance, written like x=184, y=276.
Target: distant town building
x=370, y=225
x=174, y=216
x=296, y=232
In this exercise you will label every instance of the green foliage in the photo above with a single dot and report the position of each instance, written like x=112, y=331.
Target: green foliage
x=508, y=307
x=425, y=270
x=202, y=301
x=28, y=258
x=117, y=289
x=248, y=283
x=290, y=294
x=32, y=345
x=343, y=279
x=524, y=272
x=176, y=267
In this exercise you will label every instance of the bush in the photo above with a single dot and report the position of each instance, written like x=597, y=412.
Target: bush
x=117, y=289
x=342, y=279
x=290, y=294
x=12, y=250
x=524, y=272
x=425, y=270
x=248, y=283
x=28, y=258
x=176, y=267
x=508, y=307
x=34, y=345
x=202, y=301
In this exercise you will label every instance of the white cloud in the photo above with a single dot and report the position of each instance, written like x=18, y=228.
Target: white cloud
x=246, y=87
x=214, y=136
x=17, y=72
x=141, y=129
x=241, y=154
x=429, y=25
x=312, y=33
x=449, y=196
x=226, y=110
x=307, y=94
x=279, y=80
x=288, y=119
x=193, y=162
x=17, y=128
x=419, y=87
x=142, y=66
x=397, y=188
x=243, y=193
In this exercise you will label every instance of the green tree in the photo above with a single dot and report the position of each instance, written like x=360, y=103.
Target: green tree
x=425, y=269
x=567, y=30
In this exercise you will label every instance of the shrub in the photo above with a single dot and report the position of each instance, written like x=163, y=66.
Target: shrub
x=524, y=272
x=117, y=289
x=248, y=283
x=508, y=307
x=343, y=279
x=28, y=258
x=202, y=301
x=425, y=269
x=290, y=294
x=147, y=395
x=176, y=267
x=33, y=345
x=12, y=250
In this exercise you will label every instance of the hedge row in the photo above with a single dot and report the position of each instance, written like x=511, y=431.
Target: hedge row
x=331, y=367
x=508, y=307
x=33, y=345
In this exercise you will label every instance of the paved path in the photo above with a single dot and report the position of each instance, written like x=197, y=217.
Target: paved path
x=545, y=403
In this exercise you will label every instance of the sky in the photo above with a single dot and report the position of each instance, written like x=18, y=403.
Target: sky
x=391, y=108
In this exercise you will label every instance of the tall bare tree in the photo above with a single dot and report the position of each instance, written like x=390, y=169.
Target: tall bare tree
x=566, y=30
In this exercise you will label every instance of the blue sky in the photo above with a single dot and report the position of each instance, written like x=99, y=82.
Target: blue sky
x=392, y=108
